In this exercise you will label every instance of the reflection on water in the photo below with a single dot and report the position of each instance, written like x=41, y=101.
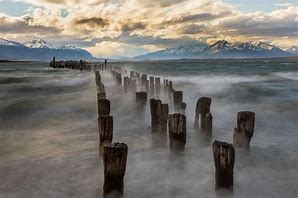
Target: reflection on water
x=49, y=138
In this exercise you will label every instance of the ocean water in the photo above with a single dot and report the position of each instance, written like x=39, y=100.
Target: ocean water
x=49, y=136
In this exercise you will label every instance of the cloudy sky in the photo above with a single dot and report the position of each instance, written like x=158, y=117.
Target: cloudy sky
x=132, y=27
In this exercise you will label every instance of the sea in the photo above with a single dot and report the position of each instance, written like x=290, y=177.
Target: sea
x=49, y=141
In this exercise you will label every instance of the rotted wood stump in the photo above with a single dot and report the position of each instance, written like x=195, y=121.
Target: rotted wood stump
x=151, y=81
x=244, y=130
x=143, y=79
x=159, y=114
x=126, y=84
x=97, y=77
x=100, y=87
x=132, y=74
x=114, y=160
x=177, y=130
x=209, y=123
x=141, y=98
x=170, y=91
x=224, y=158
x=183, y=108
x=105, y=128
x=103, y=107
x=101, y=95
x=202, y=108
x=133, y=85
x=157, y=86
x=178, y=98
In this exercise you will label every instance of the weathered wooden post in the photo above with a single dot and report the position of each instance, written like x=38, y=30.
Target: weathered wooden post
x=105, y=127
x=114, y=160
x=132, y=74
x=103, y=107
x=244, y=130
x=183, y=108
x=141, y=98
x=209, y=123
x=100, y=87
x=157, y=86
x=178, y=98
x=159, y=114
x=151, y=80
x=133, y=85
x=97, y=77
x=177, y=130
x=126, y=84
x=119, y=78
x=170, y=92
x=224, y=158
x=202, y=108
x=101, y=95
x=143, y=80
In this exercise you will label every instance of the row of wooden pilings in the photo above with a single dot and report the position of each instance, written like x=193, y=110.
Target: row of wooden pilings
x=115, y=154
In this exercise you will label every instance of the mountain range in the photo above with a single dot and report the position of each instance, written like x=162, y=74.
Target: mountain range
x=40, y=50
x=222, y=50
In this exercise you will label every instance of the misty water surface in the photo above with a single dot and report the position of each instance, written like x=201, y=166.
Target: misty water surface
x=49, y=137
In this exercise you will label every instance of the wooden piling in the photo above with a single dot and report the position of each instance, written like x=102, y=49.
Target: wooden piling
x=178, y=98
x=183, y=108
x=152, y=86
x=105, y=128
x=208, y=124
x=126, y=84
x=114, y=160
x=159, y=114
x=141, y=98
x=224, y=158
x=157, y=86
x=202, y=108
x=103, y=107
x=244, y=130
x=177, y=130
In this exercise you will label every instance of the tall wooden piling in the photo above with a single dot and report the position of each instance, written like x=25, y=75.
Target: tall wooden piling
x=183, y=108
x=177, y=130
x=159, y=114
x=105, y=128
x=178, y=98
x=208, y=123
x=103, y=107
x=202, y=108
x=141, y=98
x=114, y=160
x=126, y=84
x=224, y=158
x=157, y=86
x=133, y=85
x=97, y=78
x=244, y=130
x=152, y=86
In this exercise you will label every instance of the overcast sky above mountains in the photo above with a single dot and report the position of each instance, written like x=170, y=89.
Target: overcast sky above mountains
x=134, y=27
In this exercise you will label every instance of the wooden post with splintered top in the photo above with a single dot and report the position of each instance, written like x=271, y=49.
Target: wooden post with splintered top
x=202, y=108
x=97, y=77
x=103, y=106
x=114, y=160
x=224, y=158
x=105, y=128
x=178, y=98
x=141, y=98
x=244, y=130
x=159, y=114
x=208, y=123
x=126, y=84
x=151, y=81
x=177, y=130
x=157, y=86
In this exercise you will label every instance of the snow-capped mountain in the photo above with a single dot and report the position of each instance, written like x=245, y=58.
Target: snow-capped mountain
x=293, y=50
x=219, y=49
x=4, y=42
x=39, y=44
x=40, y=50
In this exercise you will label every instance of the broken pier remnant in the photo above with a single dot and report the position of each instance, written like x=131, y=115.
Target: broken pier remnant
x=244, y=130
x=114, y=160
x=202, y=108
x=103, y=106
x=177, y=130
x=224, y=158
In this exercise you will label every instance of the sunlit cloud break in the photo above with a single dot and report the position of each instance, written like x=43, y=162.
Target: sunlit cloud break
x=134, y=27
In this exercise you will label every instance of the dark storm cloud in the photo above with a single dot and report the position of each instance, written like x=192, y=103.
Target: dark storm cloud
x=92, y=22
x=127, y=27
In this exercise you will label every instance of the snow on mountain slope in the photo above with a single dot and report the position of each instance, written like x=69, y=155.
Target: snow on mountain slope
x=39, y=44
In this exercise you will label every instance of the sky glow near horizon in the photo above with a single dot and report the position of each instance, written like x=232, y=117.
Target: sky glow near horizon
x=109, y=28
